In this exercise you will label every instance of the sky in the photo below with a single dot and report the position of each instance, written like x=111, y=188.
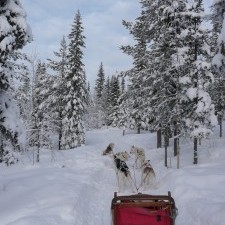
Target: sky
x=102, y=22
x=103, y=29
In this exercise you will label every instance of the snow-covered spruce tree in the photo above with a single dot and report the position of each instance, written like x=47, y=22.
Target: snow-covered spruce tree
x=114, y=96
x=167, y=55
x=106, y=99
x=218, y=61
x=153, y=75
x=125, y=110
x=22, y=95
x=123, y=84
x=14, y=34
x=99, y=97
x=100, y=81
x=94, y=117
x=139, y=31
x=56, y=99
x=162, y=89
x=75, y=96
x=39, y=133
x=217, y=15
x=198, y=110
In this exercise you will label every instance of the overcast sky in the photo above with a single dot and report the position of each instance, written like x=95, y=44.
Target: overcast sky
x=102, y=22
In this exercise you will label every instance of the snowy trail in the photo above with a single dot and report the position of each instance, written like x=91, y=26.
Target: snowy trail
x=78, y=186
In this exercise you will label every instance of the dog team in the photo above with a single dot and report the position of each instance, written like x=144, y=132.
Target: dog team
x=123, y=172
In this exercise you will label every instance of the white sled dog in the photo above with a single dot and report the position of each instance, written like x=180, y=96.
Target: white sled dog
x=123, y=174
x=124, y=156
x=109, y=149
x=139, y=155
x=147, y=175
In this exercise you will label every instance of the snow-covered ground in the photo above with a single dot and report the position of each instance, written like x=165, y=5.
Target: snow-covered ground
x=75, y=187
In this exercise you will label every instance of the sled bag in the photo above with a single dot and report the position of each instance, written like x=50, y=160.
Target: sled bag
x=142, y=216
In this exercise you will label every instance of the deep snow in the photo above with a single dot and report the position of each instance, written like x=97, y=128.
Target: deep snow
x=75, y=187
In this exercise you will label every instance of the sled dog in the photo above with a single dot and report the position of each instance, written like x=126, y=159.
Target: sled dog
x=147, y=174
x=139, y=155
x=109, y=149
x=123, y=173
x=124, y=156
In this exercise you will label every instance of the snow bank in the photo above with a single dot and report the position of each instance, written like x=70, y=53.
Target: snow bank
x=76, y=186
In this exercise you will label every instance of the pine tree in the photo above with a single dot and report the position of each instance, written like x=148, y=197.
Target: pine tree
x=139, y=30
x=75, y=96
x=123, y=84
x=40, y=124
x=171, y=62
x=56, y=99
x=114, y=96
x=23, y=96
x=218, y=61
x=99, y=96
x=166, y=56
x=106, y=102
x=14, y=34
x=198, y=109
x=99, y=86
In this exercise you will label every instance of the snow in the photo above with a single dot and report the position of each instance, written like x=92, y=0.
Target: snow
x=192, y=93
x=11, y=115
x=15, y=8
x=77, y=186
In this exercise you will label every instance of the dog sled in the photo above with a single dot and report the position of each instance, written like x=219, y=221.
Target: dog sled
x=143, y=209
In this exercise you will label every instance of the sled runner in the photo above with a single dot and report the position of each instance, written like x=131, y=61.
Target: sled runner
x=142, y=209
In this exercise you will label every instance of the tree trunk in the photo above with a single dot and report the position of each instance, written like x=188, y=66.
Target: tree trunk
x=175, y=148
x=38, y=128
x=166, y=156
x=166, y=138
x=220, y=119
x=159, y=138
x=38, y=148
x=124, y=129
x=178, y=154
x=38, y=154
x=139, y=129
x=60, y=138
x=195, y=151
x=60, y=128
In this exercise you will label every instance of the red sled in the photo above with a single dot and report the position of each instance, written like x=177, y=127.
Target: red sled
x=142, y=209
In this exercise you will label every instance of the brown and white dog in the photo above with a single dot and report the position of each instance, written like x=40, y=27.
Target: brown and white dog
x=109, y=149
x=147, y=175
x=139, y=155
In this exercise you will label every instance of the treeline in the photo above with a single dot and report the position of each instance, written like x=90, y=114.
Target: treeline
x=175, y=87
x=49, y=103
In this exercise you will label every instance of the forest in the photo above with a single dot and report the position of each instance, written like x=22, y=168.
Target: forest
x=174, y=88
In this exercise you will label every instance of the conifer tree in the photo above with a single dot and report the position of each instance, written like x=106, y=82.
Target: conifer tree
x=56, y=99
x=114, y=96
x=167, y=58
x=14, y=34
x=75, y=96
x=123, y=84
x=174, y=50
x=23, y=96
x=218, y=61
x=40, y=124
x=99, y=86
x=198, y=111
x=139, y=31
x=106, y=100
